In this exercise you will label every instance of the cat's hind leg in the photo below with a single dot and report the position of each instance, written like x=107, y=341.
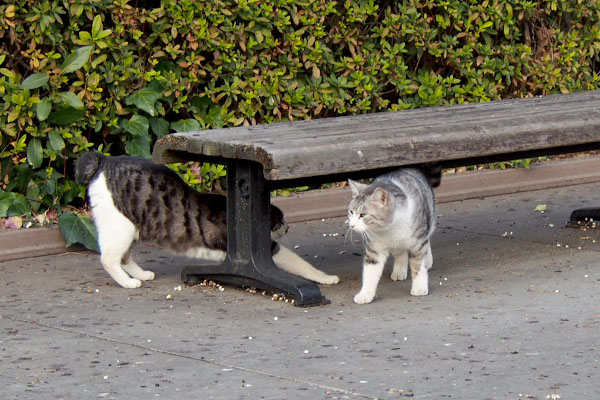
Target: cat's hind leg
x=419, y=264
x=133, y=269
x=400, y=271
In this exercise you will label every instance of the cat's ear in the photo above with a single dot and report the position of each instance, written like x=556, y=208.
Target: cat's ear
x=380, y=197
x=356, y=187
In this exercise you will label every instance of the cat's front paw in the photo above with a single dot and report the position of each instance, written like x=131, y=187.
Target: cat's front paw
x=364, y=297
x=419, y=290
x=399, y=275
x=146, y=276
x=131, y=283
x=329, y=280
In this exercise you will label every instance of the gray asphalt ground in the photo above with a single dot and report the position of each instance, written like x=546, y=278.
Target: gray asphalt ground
x=513, y=313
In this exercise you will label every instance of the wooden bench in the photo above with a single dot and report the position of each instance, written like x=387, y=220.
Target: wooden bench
x=265, y=157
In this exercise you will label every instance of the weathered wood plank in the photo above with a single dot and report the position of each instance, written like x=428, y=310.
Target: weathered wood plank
x=373, y=141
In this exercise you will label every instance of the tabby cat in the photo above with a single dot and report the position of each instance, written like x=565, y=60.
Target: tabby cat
x=134, y=199
x=396, y=216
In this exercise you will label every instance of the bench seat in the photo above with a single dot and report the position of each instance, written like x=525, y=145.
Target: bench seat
x=325, y=149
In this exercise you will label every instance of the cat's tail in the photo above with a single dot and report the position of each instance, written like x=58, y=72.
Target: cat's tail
x=433, y=173
x=86, y=167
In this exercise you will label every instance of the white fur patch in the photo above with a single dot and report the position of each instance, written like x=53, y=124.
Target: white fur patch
x=206, y=254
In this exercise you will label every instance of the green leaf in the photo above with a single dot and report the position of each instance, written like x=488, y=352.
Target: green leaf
x=137, y=125
x=144, y=99
x=79, y=229
x=65, y=116
x=540, y=208
x=33, y=196
x=185, y=125
x=51, y=187
x=35, y=81
x=159, y=126
x=19, y=206
x=6, y=200
x=77, y=59
x=43, y=109
x=35, y=155
x=72, y=100
x=96, y=26
x=139, y=146
x=56, y=141
x=200, y=105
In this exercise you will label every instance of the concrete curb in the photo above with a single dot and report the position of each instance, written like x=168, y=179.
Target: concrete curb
x=24, y=243
x=330, y=203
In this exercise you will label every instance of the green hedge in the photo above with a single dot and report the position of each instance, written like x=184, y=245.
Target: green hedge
x=114, y=76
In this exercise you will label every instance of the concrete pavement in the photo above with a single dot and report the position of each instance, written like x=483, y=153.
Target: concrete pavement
x=513, y=313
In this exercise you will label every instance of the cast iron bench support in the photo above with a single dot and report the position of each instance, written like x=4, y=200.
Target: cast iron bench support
x=249, y=262
x=584, y=216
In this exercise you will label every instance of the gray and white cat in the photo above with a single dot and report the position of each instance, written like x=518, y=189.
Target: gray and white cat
x=134, y=199
x=396, y=216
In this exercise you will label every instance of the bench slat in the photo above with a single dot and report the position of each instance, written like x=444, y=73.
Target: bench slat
x=341, y=145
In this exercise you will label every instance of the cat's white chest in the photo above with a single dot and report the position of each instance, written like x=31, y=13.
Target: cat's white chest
x=107, y=216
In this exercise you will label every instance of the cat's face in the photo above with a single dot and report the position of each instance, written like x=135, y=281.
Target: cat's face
x=370, y=208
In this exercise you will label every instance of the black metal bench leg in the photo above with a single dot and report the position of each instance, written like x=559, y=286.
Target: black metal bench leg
x=585, y=216
x=249, y=262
